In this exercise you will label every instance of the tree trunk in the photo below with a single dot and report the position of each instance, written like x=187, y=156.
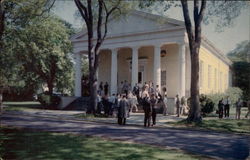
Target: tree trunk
x=93, y=92
x=194, y=38
x=194, y=113
x=50, y=87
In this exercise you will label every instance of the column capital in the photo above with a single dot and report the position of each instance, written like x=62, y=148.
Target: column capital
x=157, y=45
x=135, y=47
x=114, y=50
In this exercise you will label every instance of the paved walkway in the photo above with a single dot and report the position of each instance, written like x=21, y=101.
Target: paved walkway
x=134, y=119
x=217, y=145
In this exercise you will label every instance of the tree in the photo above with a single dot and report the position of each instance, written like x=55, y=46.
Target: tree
x=242, y=77
x=15, y=13
x=225, y=12
x=43, y=51
x=241, y=67
x=241, y=52
x=95, y=18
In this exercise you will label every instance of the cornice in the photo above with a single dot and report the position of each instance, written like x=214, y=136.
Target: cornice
x=215, y=51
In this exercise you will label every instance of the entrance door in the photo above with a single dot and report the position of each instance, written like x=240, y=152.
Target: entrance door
x=140, y=77
x=141, y=74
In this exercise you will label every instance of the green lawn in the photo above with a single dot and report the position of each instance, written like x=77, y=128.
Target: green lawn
x=227, y=125
x=25, y=144
x=22, y=105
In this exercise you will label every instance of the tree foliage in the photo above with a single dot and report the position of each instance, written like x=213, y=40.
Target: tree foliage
x=242, y=77
x=241, y=52
x=43, y=51
x=241, y=67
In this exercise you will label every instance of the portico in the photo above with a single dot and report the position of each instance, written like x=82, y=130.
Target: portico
x=139, y=64
x=134, y=54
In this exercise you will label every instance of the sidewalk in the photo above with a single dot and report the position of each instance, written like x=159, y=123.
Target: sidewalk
x=134, y=119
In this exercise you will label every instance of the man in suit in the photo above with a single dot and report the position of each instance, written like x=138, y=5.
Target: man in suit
x=227, y=103
x=147, y=111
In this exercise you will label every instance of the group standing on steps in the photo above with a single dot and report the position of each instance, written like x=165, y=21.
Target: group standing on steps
x=151, y=98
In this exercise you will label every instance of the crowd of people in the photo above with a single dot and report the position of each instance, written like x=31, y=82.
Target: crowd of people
x=225, y=104
x=153, y=101
x=151, y=98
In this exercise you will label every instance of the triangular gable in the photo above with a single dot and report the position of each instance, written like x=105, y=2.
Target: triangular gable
x=135, y=22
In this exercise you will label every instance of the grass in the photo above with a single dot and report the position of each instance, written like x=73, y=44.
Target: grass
x=25, y=144
x=19, y=106
x=225, y=125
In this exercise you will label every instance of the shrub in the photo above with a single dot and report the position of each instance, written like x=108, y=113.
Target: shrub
x=49, y=101
x=207, y=105
x=233, y=92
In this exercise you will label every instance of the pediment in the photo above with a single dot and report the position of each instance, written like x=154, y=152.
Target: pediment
x=135, y=22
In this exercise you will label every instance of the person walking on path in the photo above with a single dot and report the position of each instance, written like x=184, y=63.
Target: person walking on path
x=238, y=108
x=147, y=111
x=227, y=103
x=153, y=102
x=183, y=105
x=123, y=111
x=177, y=104
x=220, y=108
x=106, y=88
x=248, y=106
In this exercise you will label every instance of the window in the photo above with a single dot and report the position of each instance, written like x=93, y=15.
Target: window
x=201, y=74
x=215, y=79
x=225, y=81
x=220, y=81
x=209, y=76
x=163, y=78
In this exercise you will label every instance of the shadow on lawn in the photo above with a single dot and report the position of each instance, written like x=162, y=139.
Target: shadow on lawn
x=25, y=144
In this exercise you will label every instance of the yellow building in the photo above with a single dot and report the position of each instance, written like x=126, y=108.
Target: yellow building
x=215, y=73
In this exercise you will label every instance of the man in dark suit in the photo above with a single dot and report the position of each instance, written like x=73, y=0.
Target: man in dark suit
x=147, y=111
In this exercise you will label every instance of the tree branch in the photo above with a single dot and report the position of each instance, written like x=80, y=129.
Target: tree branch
x=99, y=25
x=188, y=23
x=196, y=10
x=108, y=13
x=198, y=21
x=202, y=10
x=82, y=9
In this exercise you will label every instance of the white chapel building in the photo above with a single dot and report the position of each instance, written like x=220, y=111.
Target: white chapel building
x=142, y=47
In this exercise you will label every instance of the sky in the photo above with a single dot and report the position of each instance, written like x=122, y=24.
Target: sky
x=224, y=41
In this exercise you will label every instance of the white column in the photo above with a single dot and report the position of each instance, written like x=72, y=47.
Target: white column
x=134, y=66
x=113, y=85
x=182, y=70
x=157, y=66
x=78, y=75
